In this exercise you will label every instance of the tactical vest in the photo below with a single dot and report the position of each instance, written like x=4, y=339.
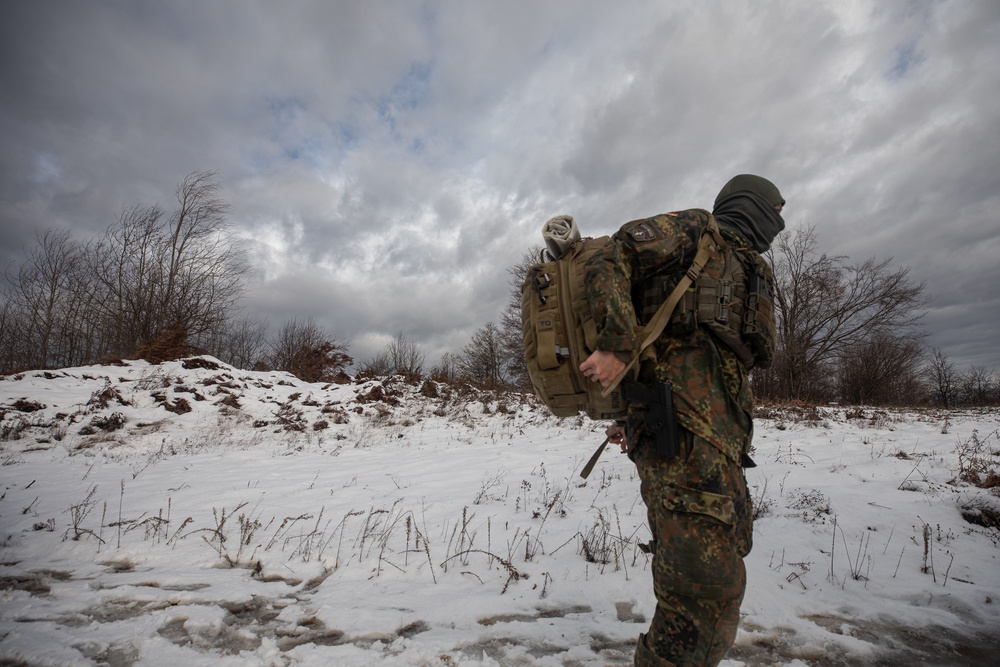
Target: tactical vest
x=736, y=306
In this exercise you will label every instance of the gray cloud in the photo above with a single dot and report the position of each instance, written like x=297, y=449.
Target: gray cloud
x=386, y=162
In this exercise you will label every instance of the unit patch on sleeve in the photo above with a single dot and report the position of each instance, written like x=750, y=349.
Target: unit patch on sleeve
x=643, y=230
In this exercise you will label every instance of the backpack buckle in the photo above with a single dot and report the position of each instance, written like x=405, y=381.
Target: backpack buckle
x=540, y=280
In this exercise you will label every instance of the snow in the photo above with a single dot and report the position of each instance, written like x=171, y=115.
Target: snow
x=386, y=522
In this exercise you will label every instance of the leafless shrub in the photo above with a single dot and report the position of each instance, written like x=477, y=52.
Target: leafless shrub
x=102, y=398
x=814, y=506
x=979, y=461
x=513, y=574
x=511, y=332
x=761, y=502
x=308, y=353
x=78, y=514
x=401, y=356
x=218, y=537
x=490, y=484
x=13, y=428
x=605, y=544
x=883, y=369
x=241, y=343
x=794, y=412
x=108, y=423
x=447, y=369
x=167, y=344
x=290, y=417
x=337, y=414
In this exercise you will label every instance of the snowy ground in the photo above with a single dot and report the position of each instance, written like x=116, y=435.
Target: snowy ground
x=190, y=513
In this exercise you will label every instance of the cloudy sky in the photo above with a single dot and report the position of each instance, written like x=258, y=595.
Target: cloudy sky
x=388, y=161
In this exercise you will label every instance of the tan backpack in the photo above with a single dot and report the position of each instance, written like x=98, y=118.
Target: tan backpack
x=560, y=333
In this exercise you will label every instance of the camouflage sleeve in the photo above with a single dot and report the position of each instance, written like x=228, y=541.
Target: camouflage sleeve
x=638, y=251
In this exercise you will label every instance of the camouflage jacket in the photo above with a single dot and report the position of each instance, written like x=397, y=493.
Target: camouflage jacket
x=710, y=386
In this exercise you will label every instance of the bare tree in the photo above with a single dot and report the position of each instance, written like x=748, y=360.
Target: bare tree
x=293, y=335
x=483, y=359
x=942, y=379
x=826, y=308
x=407, y=357
x=126, y=264
x=881, y=370
x=446, y=370
x=8, y=337
x=242, y=343
x=44, y=301
x=511, y=331
x=978, y=386
x=205, y=272
x=402, y=356
x=377, y=365
x=146, y=276
x=155, y=273
x=303, y=349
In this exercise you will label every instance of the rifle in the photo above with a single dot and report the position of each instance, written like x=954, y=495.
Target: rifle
x=660, y=419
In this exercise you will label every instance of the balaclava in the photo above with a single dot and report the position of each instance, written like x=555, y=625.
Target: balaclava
x=746, y=206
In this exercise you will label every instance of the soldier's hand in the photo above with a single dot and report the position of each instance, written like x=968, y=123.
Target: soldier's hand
x=602, y=367
x=616, y=435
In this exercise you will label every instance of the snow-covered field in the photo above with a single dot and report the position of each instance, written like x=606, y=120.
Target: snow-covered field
x=190, y=513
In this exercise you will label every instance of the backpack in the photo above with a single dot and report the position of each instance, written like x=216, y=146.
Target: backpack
x=560, y=331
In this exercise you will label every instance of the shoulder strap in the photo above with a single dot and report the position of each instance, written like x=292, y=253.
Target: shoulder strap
x=710, y=239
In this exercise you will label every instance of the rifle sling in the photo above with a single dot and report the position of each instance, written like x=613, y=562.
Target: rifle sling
x=585, y=473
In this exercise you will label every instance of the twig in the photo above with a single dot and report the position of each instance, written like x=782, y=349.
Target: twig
x=948, y=570
x=833, y=549
x=889, y=540
x=513, y=574
x=121, y=498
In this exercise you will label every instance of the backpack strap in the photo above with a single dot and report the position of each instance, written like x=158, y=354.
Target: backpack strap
x=710, y=239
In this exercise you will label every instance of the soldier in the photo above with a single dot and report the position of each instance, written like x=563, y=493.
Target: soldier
x=697, y=500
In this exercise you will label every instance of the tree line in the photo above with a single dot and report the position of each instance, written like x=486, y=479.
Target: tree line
x=150, y=282
x=847, y=332
x=852, y=332
x=70, y=303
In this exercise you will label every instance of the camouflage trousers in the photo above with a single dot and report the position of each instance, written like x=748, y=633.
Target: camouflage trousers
x=701, y=520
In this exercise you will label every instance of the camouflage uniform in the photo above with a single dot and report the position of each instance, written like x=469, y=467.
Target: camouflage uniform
x=697, y=503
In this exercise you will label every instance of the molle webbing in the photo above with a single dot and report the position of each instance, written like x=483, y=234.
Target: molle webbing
x=737, y=306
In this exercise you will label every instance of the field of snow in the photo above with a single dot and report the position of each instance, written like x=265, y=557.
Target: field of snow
x=191, y=513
